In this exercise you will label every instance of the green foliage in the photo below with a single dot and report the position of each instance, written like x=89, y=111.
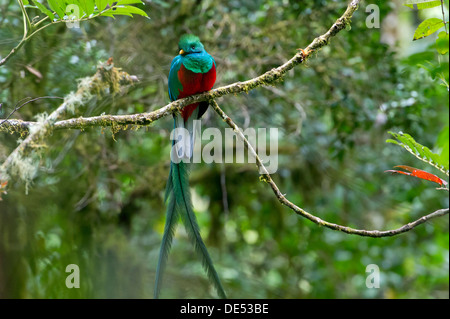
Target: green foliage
x=422, y=152
x=57, y=6
x=44, y=9
x=123, y=10
x=437, y=68
x=442, y=43
x=422, y=4
x=443, y=144
x=428, y=27
x=86, y=9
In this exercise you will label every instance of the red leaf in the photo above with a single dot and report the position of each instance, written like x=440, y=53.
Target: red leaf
x=397, y=172
x=406, y=168
x=2, y=189
x=419, y=174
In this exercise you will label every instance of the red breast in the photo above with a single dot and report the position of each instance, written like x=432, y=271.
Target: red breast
x=194, y=83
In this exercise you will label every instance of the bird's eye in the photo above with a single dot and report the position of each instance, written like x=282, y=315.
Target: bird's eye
x=192, y=47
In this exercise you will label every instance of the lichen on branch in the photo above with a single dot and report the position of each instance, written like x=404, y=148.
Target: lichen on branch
x=22, y=162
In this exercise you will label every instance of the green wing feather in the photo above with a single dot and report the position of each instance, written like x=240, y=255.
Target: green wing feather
x=174, y=83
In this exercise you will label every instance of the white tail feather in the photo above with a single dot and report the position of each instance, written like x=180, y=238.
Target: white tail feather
x=184, y=136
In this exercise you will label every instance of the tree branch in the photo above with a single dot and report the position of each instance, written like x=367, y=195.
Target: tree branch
x=106, y=81
x=28, y=100
x=265, y=176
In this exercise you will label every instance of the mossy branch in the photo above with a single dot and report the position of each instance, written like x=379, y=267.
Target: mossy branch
x=108, y=80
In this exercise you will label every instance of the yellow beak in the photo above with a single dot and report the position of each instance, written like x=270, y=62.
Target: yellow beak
x=182, y=52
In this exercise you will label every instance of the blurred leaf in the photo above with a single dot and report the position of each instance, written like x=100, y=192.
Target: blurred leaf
x=121, y=2
x=88, y=6
x=420, y=57
x=124, y=10
x=427, y=27
x=55, y=5
x=440, y=71
x=422, y=4
x=443, y=144
x=101, y=4
x=442, y=43
x=44, y=9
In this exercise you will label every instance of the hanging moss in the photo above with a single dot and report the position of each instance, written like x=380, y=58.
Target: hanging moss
x=23, y=162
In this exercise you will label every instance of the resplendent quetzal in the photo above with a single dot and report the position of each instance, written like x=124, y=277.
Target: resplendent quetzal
x=192, y=71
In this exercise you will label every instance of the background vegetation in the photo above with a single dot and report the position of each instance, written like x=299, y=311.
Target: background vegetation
x=97, y=200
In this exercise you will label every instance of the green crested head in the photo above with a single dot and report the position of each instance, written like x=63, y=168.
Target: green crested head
x=190, y=43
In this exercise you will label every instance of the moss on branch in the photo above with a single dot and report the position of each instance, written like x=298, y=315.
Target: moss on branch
x=107, y=81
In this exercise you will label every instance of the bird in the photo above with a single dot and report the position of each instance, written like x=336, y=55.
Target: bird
x=192, y=71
